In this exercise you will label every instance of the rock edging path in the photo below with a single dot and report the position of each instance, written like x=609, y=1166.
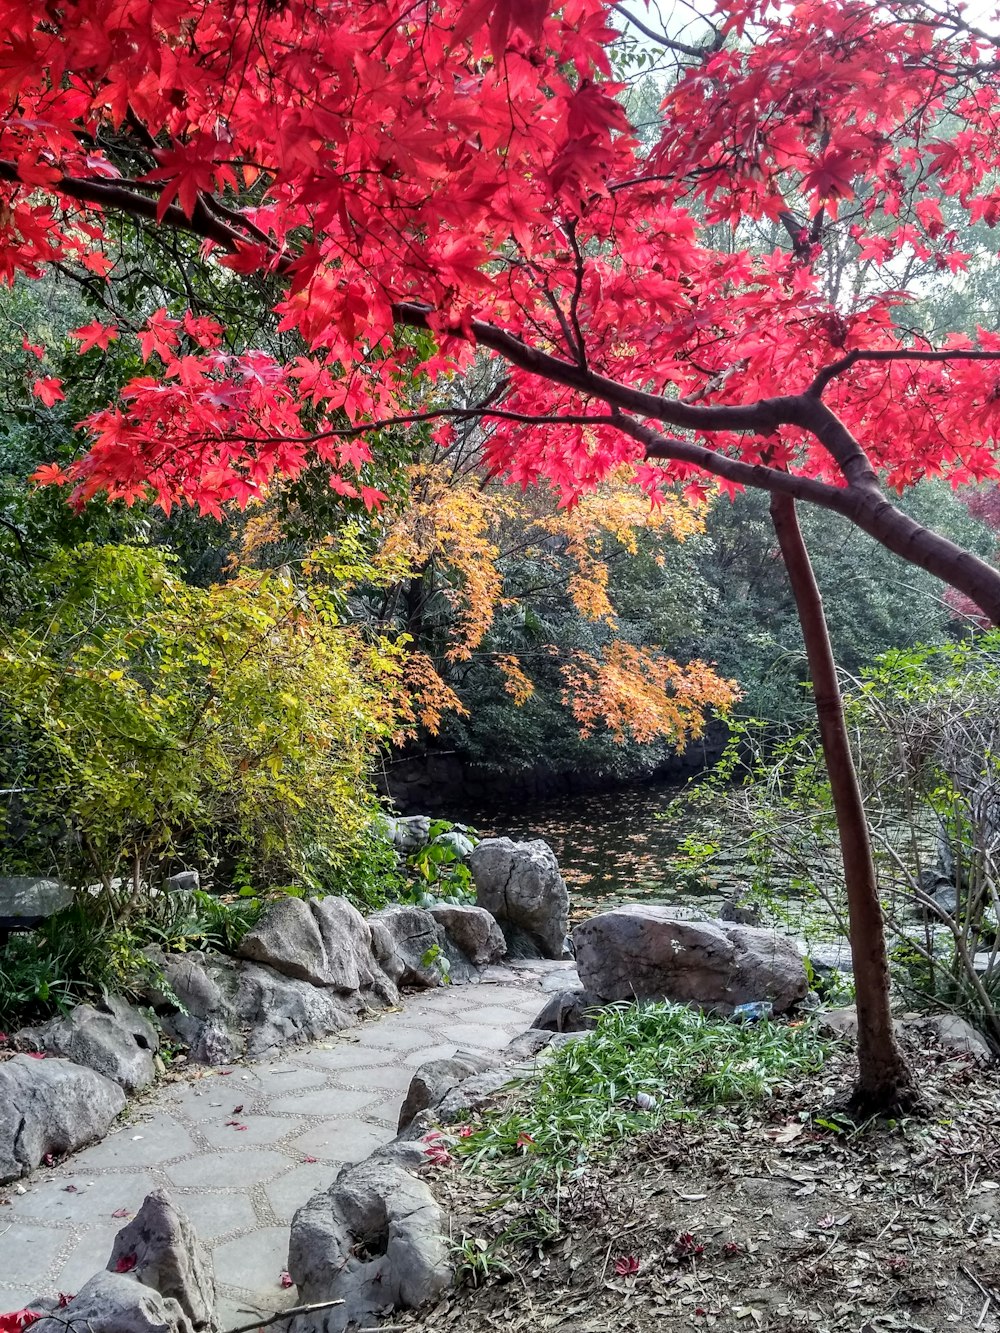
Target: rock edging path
x=242, y=1146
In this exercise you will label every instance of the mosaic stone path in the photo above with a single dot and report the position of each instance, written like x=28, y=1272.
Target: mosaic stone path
x=241, y=1147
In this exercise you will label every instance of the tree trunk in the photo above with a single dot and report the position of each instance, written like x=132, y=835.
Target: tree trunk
x=885, y=1083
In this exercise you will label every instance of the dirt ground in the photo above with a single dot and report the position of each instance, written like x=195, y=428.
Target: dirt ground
x=762, y=1220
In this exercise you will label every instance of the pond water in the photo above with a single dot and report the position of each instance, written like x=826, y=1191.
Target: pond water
x=612, y=846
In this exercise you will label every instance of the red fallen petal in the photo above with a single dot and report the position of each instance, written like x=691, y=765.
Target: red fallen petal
x=121, y=1212
x=71, y=1189
x=64, y=1300
x=310, y=1159
x=286, y=1279
x=126, y=1263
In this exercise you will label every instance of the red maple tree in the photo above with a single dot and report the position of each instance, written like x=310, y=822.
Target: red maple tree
x=465, y=169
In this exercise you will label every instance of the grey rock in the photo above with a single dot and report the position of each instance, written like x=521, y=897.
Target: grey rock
x=376, y=1240
x=113, y=1038
x=955, y=1035
x=563, y=977
x=471, y=1094
x=28, y=900
x=50, y=1106
x=434, y=1080
x=275, y=1010
x=840, y=1022
x=829, y=956
x=472, y=930
x=649, y=953
x=185, y=881
x=114, y=1303
x=325, y=941
x=225, y=1008
x=742, y=914
x=520, y=884
x=169, y=1258
x=569, y=1011
x=287, y=938
x=349, y=944
x=418, y=942
x=526, y=1045
x=952, y=1033
x=215, y=1044
x=409, y=832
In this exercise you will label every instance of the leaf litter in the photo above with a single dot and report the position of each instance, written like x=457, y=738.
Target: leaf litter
x=779, y=1218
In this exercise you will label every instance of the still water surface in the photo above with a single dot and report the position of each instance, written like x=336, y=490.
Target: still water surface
x=612, y=846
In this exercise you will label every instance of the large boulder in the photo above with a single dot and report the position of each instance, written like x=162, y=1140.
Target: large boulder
x=520, y=885
x=652, y=953
x=50, y=1106
x=113, y=1303
x=159, y=1248
x=272, y=1011
x=408, y=833
x=418, y=944
x=223, y=1010
x=28, y=900
x=325, y=941
x=376, y=1240
x=569, y=1011
x=472, y=930
x=112, y=1038
x=434, y=1080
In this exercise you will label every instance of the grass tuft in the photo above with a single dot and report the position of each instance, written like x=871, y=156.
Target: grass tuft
x=644, y=1065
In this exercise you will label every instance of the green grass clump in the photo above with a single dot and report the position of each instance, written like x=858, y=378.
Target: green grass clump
x=644, y=1065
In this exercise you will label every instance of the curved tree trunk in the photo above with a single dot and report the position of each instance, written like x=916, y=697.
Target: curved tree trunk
x=885, y=1083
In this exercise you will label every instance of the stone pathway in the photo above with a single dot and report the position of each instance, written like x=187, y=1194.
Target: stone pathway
x=241, y=1147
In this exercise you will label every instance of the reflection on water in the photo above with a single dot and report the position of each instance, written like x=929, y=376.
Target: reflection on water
x=611, y=846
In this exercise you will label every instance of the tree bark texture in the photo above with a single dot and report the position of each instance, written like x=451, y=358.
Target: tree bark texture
x=885, y=1082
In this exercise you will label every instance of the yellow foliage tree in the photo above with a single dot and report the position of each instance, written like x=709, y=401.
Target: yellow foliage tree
x=457, y=534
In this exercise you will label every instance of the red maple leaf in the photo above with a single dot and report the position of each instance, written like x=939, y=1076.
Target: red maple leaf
x=49, y=390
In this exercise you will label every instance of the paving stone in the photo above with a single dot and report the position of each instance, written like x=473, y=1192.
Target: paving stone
x=29, y=1252
x=335, y=1102
x=92, y=1198
x=494, y=1015
x=323, y=1102
x=16, y=1298
x=386, y=1111
x=424, y=1053
x=142, y=1143
x=478, y=1038
x=291, y=1191
x=255, y=1262
x=342, y=1140
x=205, y=1097
x=89, y=1255
x=391, y=1077
x=216, y=1213
x=263, y=1130
x=219, y=1169
x=350, y=1055
x=284, y=1078
x=400, y=1038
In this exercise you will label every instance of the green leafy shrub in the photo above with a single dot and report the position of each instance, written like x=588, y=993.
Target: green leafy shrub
x=151, y=722
x=643, y=1065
